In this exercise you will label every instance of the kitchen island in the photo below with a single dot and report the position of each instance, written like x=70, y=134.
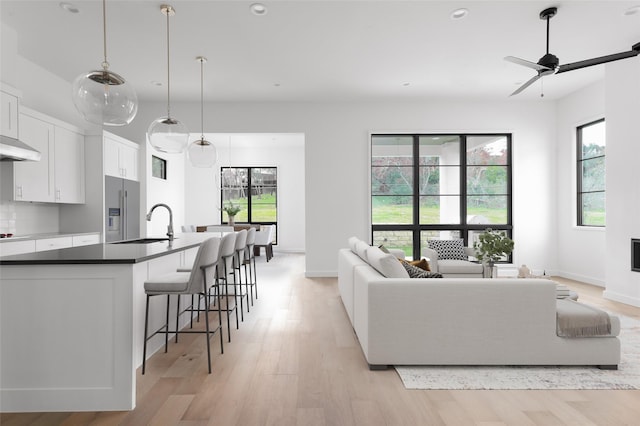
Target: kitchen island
x=71, y=323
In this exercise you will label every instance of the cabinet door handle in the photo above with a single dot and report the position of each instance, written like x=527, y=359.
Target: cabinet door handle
x=57, y=194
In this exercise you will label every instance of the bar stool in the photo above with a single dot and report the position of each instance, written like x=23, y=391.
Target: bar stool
x=224, y=269
x=181, y=283
x=238, y=264
x=250, y=259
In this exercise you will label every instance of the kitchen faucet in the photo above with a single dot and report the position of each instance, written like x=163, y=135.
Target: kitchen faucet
x=170, y=227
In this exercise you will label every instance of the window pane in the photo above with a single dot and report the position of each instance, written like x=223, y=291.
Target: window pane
x=593, y=138
x=439, y=209
x=391, y=150
x=487, y=150
x=395, y=239
x=391, y=210
x=445, y=148
x=487, y=209
x=439, y=180
x=264, y=186
x=487, y=180
x=391, y=180
x=593, y=174
x=593, y=209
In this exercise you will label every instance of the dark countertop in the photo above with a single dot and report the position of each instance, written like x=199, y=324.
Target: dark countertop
x=109, y=253
x=21, y=237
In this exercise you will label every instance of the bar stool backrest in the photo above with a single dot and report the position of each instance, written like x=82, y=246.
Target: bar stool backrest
x=207, y=255
x=241, y=243
x=227, y=250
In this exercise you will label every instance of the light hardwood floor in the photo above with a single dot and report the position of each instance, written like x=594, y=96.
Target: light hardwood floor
x=295, y=361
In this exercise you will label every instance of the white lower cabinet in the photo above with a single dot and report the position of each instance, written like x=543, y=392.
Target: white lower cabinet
x=54, y=243
x=85, y=240
x=17, y=247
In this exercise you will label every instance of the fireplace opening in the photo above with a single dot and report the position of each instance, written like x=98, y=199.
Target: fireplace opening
x=635, y=254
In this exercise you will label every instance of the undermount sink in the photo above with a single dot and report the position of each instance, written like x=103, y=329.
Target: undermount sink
x=142, y=241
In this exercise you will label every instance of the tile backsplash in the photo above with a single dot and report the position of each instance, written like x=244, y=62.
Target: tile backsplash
x=28, y=218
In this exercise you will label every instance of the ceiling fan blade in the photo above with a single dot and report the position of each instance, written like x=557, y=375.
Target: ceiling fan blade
x=527, y=84
x=597, y=61
x=525, y=63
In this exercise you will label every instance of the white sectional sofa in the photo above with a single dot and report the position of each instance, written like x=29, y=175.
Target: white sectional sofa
x=460, y=321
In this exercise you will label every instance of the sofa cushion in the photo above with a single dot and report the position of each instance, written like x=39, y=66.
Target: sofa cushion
x=352, y=243
x=387, y=264
x=416, y=272
x=361, y=250
x=449, y=249
x=451, y=266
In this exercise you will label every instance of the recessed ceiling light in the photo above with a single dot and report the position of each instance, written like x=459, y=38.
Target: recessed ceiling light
x=459, y=13
x=258, y=9
x=633, y=10
x=156, y=83
x=276, y=84
x=406, y=84
x=69, y=7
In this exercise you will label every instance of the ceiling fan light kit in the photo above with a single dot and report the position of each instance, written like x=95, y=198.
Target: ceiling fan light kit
x=167, y=134
x=550, y=64
x=102, y=96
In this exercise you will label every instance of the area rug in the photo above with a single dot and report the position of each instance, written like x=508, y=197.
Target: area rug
x=516, y=377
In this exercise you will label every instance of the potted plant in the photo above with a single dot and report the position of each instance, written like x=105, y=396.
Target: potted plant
x=231, y=210
x=491, y=246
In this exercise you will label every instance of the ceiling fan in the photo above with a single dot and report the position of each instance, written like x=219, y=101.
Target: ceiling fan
x=549, y=63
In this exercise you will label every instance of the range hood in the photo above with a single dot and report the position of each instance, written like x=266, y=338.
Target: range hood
x=12, y=149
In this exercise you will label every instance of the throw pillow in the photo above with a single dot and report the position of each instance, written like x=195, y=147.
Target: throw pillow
x=386, y=264
x=422, y=264
x=361, y=249
x=352, y=243
x=449, y=249
x=415, y=272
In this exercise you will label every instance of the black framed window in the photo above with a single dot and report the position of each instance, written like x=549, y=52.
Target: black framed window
x=254, y=190
x=591, y=179
x=426, y=186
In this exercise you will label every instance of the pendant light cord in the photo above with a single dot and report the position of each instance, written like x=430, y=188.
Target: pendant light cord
x=105, y=64
x=168, y=70
x=202, y=98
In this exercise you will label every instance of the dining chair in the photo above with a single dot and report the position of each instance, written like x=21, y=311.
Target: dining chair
x=238, y=265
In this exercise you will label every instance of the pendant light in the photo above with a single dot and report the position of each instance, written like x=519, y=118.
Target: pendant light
x=202, y=153
x=102, y=96
x=166, y=134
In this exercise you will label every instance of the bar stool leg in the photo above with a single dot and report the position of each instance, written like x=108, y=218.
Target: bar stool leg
x=166, y=326
x=146, y=333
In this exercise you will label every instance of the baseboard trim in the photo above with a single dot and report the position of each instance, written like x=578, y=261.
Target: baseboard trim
x=622, y=298
x=320, y=274
x=582, y=278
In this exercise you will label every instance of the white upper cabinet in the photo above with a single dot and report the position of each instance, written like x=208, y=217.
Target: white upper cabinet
x=33, y=180
x=9, y=114
x=69, y=166
x=120, y=157
x=59, y=175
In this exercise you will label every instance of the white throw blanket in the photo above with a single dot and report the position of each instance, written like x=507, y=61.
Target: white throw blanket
x=577, y=320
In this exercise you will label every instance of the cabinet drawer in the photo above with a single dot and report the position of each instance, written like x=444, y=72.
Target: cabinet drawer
x=85, y=240
x=17, y=247
x=53, y=243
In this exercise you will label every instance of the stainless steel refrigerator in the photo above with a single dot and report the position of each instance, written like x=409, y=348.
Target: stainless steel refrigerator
x=122, y=203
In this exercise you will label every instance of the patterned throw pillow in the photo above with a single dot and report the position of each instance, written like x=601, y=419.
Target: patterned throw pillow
x=416, y=272
x=422, y=263
x=449, y=249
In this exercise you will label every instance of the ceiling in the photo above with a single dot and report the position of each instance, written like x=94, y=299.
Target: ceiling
x=306, y=50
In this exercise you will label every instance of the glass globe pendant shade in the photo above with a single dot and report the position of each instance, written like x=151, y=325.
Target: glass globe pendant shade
x=168, y=135
x=202, y=153
x=104, y=97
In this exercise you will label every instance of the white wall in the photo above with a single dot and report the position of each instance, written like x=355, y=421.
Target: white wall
x=336, y=160
x=581, y=250
x=622, y=86
x=286, y=152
